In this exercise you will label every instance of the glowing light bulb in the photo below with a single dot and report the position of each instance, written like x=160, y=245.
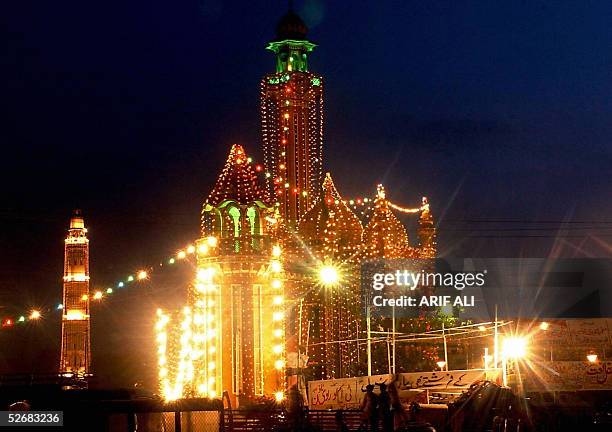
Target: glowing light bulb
x=120, y=285
x=202, y=249
x=84, y=297
x=191, y=249
x=142, y=274
x=514, y=347
x=171, y=261
x=279, y=364
x=109, y=290
x=97, y=295
x=276, y=251
x=130, y=278
x=205, y=274
x=278, y=300
x=181, y=255
x=212, y=241
x=276, y=266
x=279, y=396
x=276, y=283
x=34, y=315
x=328, y=275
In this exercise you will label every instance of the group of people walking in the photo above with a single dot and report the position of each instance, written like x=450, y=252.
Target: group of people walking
x=384, y=409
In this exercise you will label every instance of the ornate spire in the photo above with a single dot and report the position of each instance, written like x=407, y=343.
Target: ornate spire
x=426, y=232
x=330, y=224
x=384, y=236
x=237, y=181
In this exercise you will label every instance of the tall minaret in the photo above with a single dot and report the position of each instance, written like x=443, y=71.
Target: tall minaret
x=292, y=122
x=76, y=351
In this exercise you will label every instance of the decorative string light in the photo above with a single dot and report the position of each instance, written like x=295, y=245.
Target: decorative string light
x=98, y=294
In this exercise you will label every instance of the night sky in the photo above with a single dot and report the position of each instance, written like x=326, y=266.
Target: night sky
x=500, y=113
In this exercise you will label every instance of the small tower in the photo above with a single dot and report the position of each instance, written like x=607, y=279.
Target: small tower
x=384, y=236
x=292, y=122
x=238, y=295
x=76, y=352
x=427, y=232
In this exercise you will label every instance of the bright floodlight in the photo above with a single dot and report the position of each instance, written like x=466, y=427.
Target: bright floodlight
x=514, y=347
x=592, y=358
x=328, y=275
x=279, y=396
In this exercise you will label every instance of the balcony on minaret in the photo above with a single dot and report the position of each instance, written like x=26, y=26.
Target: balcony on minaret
x=77, y=222
x=291, y=46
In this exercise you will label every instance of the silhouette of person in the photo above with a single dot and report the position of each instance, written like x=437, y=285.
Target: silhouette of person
x=340, y=425
x=384, y=408
x=399, y=414
x=369, y=408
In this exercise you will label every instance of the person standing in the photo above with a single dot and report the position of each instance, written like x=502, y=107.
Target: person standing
x=369, y=409
x=384, y=408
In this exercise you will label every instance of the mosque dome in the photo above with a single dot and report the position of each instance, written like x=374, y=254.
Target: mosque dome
x=330, y=225
x=292, y=27
x=384, y=235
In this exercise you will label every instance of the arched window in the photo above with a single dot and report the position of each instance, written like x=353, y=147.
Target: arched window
x=254, y=223
x=234, y=213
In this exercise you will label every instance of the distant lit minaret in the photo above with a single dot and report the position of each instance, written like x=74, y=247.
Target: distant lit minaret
x=76, y=351
x=292, y=122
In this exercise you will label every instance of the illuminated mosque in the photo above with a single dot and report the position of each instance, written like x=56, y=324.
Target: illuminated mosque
x=258, y=316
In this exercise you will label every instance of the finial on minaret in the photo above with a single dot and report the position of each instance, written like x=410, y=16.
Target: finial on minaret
x=426, y=231
x=380, y=192
x=76, y=221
